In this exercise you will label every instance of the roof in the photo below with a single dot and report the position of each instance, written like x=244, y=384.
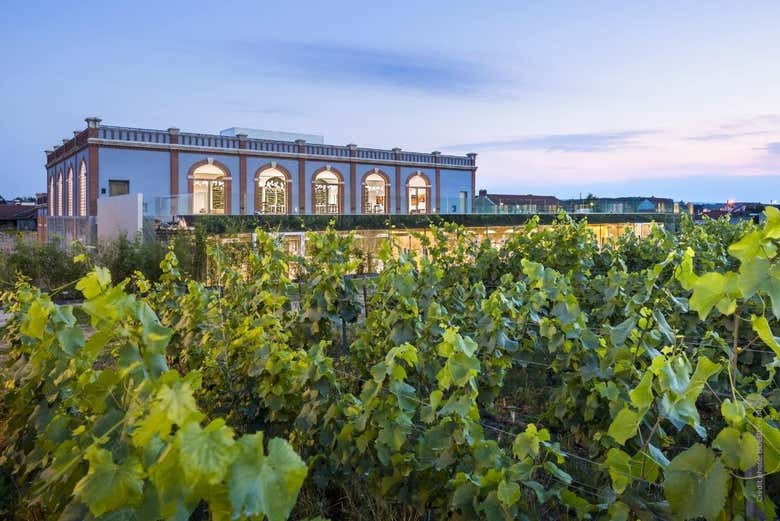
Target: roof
x=275, y=135
x=17, y=212
x=113, y=136
x=646, y=205
x=716, y=214
x=511, y=199
x=640, y=198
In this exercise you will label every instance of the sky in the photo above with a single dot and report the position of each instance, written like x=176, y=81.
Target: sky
x=676, y=99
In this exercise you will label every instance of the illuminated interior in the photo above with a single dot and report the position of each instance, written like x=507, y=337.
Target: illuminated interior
x=326, y=193
x=271, y=192
x=418, y=194
x=375, y=194
x=208, y=190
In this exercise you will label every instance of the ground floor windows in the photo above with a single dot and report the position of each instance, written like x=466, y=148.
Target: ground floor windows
x=418, y=194
x=209, y=190
x=271, y=195
x=375, y=193
x=208, y=196
x=326, y=192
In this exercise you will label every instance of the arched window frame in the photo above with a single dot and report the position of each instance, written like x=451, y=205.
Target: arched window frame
x=51, y=196
x=416, y=191
x=363, y=193
x=330, y=209
x=226, y=179
x=60, y=195
x=83, y=189
x=69, y=191
x=287, y=179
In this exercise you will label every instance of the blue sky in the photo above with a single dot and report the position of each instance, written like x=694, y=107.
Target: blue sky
x=670, y=99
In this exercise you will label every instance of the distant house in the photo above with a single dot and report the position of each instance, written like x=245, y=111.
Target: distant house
x=735, y=211
x=18, y=217
x=506, y=203
x=621, y=205
x=17, y=221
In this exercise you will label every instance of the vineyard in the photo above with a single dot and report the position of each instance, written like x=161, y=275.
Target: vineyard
x=545, y=379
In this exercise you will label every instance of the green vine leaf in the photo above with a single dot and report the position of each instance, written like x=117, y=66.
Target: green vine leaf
x=206, y=454
x=265, y=484
x=762, y=329
x=108, y=486
x=771, y=447
x=772, y=224
x=95, y=283
x=625, y=425
x=526, y=444
x=695, y=484
x=642, y=395
x=35, y=322
x=733, y=412
x=509, y=493
x=714, y=290
x=739, y=450
x=619, y=465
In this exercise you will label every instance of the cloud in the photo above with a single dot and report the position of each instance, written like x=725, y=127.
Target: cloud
x=772, y=148
x=725, y=136
x=585, y=142
x=264, y=111
x=761, y=120
x=322, y=63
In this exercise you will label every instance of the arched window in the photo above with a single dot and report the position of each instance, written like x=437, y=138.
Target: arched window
x=59, y=194
x=83, y=189
x=418, y=194
x=69, y=191
x=270, y=191
x=376, y=193
x=208, y=189
x=51, y=196
x=326, y=192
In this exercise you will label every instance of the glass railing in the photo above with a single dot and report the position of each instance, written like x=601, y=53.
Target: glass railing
x=180, y=205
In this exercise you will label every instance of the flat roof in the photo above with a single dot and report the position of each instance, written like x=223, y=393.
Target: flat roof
x=274, y=135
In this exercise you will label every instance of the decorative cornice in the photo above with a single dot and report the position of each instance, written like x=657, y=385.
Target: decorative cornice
x=114, y=143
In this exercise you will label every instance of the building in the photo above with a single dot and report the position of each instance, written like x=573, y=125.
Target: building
x=18, y=217
x=504, y=203
x=18, y=221
x=592, y=204
x=527, y=203
x=734, y=210
x=244, y=172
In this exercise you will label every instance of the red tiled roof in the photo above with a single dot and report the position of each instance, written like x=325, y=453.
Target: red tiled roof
x=16, y=212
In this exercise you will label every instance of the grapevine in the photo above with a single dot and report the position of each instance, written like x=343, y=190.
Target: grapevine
x=546, y=378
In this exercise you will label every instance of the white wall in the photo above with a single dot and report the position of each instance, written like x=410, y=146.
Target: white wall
x=121, y=214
